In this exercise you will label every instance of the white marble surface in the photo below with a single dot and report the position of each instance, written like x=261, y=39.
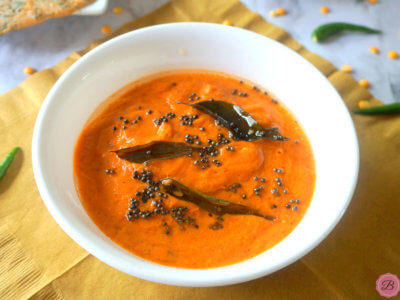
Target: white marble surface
x=44, y=45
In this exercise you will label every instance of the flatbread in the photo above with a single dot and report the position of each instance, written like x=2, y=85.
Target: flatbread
x=18, y=14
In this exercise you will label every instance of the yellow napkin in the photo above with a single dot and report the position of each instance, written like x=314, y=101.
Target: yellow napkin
x=37, y=259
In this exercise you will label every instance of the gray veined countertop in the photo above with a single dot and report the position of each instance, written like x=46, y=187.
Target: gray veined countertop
x=44, y=45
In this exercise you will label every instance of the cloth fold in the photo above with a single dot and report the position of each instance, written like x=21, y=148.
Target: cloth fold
x=38, y=260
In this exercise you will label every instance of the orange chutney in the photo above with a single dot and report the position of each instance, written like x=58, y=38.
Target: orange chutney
x=105, y=183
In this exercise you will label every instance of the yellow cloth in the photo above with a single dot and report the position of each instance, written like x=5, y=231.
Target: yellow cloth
x=37, y=259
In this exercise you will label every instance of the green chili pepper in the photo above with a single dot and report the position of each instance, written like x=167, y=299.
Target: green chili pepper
x=7, y=162
x=324, y=31
x=380, y=110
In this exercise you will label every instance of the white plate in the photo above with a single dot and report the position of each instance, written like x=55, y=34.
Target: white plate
x=296, y=82
x=96, y=8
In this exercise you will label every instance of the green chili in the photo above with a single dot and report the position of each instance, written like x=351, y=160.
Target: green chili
x=324, y=31
x=7, y=162
x=388, y=109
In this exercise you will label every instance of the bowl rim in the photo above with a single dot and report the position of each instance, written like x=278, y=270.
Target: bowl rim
x=80, y=238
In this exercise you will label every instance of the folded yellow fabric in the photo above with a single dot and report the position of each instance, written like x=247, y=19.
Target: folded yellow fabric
x=38, y=260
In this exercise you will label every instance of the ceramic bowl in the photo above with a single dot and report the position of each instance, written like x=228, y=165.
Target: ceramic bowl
x=98, y=7
x=269, y=64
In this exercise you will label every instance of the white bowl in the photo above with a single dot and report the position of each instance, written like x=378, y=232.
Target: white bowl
x=294, y=81
x=96, y=8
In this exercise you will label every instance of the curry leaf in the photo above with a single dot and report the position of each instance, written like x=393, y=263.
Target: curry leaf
x=154, y=151
x=211, y=204
x=240, y=123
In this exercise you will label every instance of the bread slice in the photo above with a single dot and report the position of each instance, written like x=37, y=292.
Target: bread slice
x=18, y=14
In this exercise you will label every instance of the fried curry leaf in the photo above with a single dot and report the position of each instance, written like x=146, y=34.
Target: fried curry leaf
x=240, y=123
x=154, y=151
x=213, y=205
